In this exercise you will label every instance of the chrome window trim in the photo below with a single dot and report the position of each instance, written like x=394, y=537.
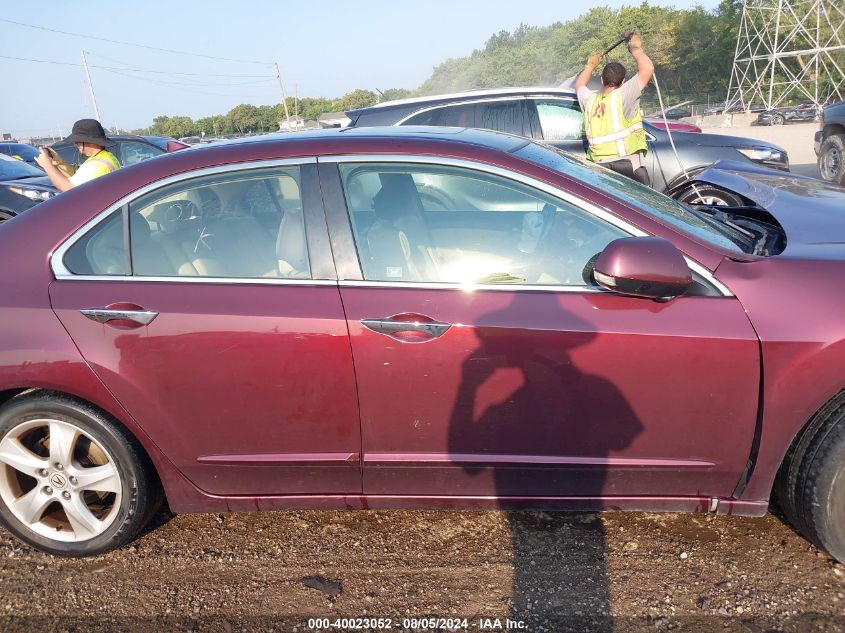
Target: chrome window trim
x=57, y=264
x=468, y=287
x=267, y=281
x=584, y=205
x=453, y=104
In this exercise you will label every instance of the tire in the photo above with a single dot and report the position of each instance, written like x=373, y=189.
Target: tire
x=831, y=162
x=72, y=481
x=5, y=215
x=778, y=119
x=810, y=487
x=707, y=194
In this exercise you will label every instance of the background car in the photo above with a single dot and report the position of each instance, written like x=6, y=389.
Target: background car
x=830, y=144
x=674, y=126
x=673, y=114
x=167, y=143
x=22, y=186
x=804, y=111
x=374, y=318
x=554, y=116
x=127, y=149
x=22, y=151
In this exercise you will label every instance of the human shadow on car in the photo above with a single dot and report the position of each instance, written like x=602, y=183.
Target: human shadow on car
x=560, y=425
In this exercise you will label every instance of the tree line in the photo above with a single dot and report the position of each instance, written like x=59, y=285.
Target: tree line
x=691, y=48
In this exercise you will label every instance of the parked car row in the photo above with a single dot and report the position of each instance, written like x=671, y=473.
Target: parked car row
x=21, y=189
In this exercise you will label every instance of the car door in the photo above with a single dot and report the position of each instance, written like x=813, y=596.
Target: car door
x=208, y=305
x=488, y=363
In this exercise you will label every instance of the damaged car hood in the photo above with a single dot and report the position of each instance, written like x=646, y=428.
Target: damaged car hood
x=811, y=212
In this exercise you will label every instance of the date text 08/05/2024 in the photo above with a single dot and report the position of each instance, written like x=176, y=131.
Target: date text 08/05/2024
x=416, y=624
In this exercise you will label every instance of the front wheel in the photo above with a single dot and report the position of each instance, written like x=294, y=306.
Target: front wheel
x=72, y=481
x=778, y=119
x=5, y=215
x=831, y=161
x=696, y=193
x=811, y=483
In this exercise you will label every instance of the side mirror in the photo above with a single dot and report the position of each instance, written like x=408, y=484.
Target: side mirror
x=649, y=267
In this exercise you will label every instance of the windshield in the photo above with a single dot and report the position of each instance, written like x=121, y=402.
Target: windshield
x=662, y=208
x=14, y=168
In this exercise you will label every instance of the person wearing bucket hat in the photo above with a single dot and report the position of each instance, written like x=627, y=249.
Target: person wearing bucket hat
x=91, y=141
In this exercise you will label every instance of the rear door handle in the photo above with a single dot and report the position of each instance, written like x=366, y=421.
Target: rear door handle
x=415, y=325
x=113, y=313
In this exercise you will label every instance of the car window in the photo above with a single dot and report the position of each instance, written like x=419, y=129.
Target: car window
x=441, y=224
x=652, y=203
x=502, y=116
x=101, y=251
x=131, y=152
x=242, y=225
x=560, y=120
x=451, y=116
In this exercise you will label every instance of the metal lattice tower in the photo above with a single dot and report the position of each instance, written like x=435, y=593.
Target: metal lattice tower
x=789, y=50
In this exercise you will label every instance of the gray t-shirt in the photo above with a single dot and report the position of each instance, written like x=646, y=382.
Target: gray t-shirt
x=631, y=93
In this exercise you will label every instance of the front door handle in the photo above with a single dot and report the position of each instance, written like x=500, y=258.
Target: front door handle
x=122, y=312
x=408, y=327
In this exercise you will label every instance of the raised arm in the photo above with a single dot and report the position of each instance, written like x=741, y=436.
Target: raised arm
x=584, y=78
x=645, y=67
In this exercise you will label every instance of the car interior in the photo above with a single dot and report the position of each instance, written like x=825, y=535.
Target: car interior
x=243, y=227
x=443, y=227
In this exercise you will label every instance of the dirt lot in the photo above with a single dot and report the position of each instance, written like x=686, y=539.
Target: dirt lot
x=550, y=571
x=796, y=139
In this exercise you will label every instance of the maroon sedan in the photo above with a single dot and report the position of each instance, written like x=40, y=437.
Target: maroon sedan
x=414, y=317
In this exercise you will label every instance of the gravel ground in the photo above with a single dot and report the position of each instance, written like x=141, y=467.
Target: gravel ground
x=548, y=571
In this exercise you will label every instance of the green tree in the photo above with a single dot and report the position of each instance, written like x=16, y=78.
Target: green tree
x=244, y=118
x=358, y=99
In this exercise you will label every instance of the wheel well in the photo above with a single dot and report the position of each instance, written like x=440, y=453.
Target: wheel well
x=7, y=395
x=832, y=129
x=683, y=179
x=810, y=425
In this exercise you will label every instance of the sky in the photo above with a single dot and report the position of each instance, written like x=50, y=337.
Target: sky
x=324, y=48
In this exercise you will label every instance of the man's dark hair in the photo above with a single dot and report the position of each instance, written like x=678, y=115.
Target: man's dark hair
x=613, y=74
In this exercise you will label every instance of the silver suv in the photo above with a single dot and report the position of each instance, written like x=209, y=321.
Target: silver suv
x=554, y=116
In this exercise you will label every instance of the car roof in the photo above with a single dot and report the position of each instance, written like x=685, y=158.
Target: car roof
x=465, y=95
x=468, y=136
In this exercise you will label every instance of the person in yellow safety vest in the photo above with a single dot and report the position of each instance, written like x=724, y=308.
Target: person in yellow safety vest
x=612, y=117
x=91, y=141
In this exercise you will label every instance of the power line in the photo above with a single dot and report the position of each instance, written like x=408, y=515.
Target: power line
x=161, y=72
x=173, y=72
x=151, y=48
x=180, y=86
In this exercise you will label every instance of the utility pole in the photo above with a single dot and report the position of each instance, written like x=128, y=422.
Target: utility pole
x=90, y=86
x=284, y=98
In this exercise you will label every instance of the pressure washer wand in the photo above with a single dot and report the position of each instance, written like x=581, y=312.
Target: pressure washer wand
x=625, y=38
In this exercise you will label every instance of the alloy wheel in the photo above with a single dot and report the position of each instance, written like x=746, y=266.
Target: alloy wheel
x=58, y=481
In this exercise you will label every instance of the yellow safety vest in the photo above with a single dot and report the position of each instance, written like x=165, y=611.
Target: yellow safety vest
x=609, y=133
x=100, y=164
